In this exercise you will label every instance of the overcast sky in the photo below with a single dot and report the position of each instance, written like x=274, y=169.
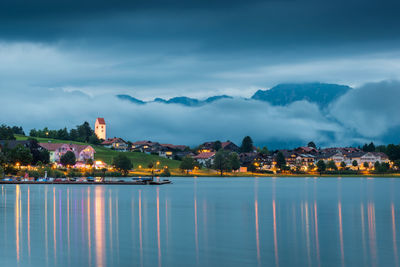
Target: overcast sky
x=57, y=58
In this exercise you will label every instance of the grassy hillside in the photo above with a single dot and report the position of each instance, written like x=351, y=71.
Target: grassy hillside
x=107, y=155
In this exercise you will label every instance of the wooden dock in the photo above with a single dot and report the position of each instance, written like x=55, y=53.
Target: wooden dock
x=88, y=183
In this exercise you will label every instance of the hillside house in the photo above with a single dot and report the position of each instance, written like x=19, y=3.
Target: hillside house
x=115, y=143
x=57, y=150
x=205, y=157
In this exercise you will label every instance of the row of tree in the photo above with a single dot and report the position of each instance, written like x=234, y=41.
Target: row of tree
x=82, y=133
x=7, y=132
x=33, y=154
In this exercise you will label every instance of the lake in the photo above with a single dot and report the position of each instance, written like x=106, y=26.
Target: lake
x=203, y=222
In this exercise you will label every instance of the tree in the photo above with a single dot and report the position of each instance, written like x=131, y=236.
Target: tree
x=122, y=163
x=343, y=164
x=221, y=161
x=354, y=163
x=331, y=165
x=321, y=166
x=252, y=168
x=312, y=144
x=247, y=145
x=21, y=155
x=33, y=133
x=369, y=147
x=397, y=163
x=89, y=162
x=73, y=135
x=84, y=132
x=234, y=161
x=39, y=154
x=377, y=166
x=63, y=134
x=3, y=159
x=93, y=139
x=264, y=151
x=217, y=145
x=366, y=165
x=280, y=160
x=18, y=130
x=6, y=133
x=393, y=152
x=68, y=159
x=187, y=164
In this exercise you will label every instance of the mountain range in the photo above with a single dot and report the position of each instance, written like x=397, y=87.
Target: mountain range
x=280, y=95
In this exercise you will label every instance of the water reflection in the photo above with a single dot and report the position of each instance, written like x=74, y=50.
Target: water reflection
x=265, y=222
x=396, y=259
x=17, y=220
x=341, y=232
x=275, y=233
x=372, y=233
x=158, y=227
x=316, y=233
x=99, y=226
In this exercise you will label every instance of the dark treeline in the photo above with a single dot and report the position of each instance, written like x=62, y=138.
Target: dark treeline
x=7, y=132
x=82, y=133
x=391, y=150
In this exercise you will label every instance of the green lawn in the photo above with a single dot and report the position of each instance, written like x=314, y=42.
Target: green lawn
x=107, y=155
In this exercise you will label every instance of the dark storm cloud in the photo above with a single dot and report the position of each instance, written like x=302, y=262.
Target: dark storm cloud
x=217, y=25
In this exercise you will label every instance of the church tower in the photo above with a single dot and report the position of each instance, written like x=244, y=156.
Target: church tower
x=100, y=128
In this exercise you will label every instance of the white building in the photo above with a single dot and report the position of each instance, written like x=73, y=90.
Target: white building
x=100, y=128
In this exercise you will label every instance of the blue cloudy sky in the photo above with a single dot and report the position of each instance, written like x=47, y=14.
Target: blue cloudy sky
x=63, y=62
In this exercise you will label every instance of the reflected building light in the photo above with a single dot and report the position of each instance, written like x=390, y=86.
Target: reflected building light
x=110, y=216
x=275, y=233
x=307, y=233
x=341, y=232
x=396, y=258
x=17, y=221
x=140, y=228
x=158, y=227
x=54, y=226
x=372, y=233
x=316, y=233
x=46, y=226
x=88, y=227
x=196, y=234
x=363, y=233
x=99, y=226
x=29, y=223
x=166, y=221
x=257, y=231
x=68, y=233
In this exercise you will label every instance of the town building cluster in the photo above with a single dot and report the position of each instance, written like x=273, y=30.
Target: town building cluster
x=298, y=159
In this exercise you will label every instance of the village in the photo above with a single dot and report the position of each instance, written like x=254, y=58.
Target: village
x=209, y=158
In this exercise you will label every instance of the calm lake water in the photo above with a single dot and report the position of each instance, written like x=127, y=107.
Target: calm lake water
x=203, y=222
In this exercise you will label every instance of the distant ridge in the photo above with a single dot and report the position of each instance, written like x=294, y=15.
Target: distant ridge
x=319, y=93
x=280, y=95
x=182, y=100
x=131, y=99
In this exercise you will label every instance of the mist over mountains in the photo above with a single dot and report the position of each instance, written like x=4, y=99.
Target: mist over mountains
x=284, y=116
x=321, y=94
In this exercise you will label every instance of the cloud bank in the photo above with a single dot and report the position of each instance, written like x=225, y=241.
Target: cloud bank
x=364, y=114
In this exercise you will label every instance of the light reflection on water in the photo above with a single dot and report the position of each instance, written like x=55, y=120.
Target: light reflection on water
x=203, y=222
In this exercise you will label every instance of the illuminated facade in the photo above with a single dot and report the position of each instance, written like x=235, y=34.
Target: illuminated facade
x=100, y=128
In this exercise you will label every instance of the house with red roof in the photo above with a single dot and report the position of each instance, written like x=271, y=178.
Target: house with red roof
x=116, y=144
x=205, y=157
